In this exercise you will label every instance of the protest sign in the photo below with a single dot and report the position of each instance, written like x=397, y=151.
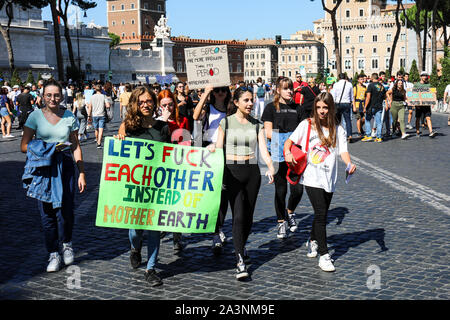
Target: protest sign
x=421, y=95
x=207, y=66
x=153, y=185
x=331, y=80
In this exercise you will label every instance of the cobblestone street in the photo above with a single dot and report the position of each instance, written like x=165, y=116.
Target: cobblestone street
x=391, y=222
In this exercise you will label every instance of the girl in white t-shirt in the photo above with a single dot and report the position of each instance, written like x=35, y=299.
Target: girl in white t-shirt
x=327, y=141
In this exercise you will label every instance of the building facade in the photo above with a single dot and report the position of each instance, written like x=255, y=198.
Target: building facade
x=32, y=40
x=260, y=60
x=134, y=20
x=366, y=31
x=302, y=53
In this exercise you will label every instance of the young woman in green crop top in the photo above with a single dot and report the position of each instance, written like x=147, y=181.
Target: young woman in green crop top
x=239, y=134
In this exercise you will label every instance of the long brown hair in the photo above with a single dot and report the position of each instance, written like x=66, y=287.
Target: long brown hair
x=282, y=83
x=326, y=98
x=175, y=112
x=134, y=117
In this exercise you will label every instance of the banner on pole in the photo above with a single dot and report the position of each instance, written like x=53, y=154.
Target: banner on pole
x=153, y=185
x=207, y=66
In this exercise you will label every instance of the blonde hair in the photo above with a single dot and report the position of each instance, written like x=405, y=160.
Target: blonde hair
x=79, y=98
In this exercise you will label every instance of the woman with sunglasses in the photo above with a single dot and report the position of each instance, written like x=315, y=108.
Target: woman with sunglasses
x=140, y=123
x=280, y=119
x=211, y=109
x=239, y=134
x=328, y=141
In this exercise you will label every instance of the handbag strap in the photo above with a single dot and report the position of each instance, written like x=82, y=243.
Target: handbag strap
x=307, y=136
x=342, y=93
x=315, y=95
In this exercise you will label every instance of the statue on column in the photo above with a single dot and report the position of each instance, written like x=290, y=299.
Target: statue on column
x=161, y=28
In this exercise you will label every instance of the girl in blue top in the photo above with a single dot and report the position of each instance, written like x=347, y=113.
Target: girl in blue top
x=55, y=125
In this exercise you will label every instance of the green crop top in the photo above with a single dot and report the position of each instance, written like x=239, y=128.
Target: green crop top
x=241, y=139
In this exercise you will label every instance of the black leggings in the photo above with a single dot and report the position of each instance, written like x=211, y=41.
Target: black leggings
x=222, y=210
x=320, y=201
x=242, y=182
x=281, y=191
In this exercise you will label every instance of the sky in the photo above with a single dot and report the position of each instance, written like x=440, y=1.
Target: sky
x=228, y=19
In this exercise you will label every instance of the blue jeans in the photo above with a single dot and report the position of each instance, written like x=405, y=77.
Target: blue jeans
x=58, y=223
x=377, y=117
x=387, y=120
x=98, y=122
x=344, y=109
x=152, y=244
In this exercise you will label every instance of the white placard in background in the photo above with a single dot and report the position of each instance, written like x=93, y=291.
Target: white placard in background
x=207, y=66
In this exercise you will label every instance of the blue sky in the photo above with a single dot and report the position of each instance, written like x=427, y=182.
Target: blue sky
x=229, y=19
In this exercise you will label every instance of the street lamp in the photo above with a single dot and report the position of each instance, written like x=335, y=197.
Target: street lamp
x=353, y=59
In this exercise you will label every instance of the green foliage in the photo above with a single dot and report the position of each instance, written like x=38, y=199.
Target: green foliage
x=15, y=79
x=2, y=82
x=320, y=78
x=362, y=72
x=402, y=70
x=115, y=40
x=39, y=77
x=30, y=78
x=414, y=73
x=388, y=74
x=355, y=79
x=444, y=79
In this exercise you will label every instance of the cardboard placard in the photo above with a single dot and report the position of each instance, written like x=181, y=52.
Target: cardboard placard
x=207, y=66
x=421, y=96
x=153, y=185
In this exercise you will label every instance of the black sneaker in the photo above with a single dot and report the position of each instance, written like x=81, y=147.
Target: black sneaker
x=241, y=271
x=217, y=245
x=99, y=146
x=178, y=245
x=152, y=278
x=135, y=258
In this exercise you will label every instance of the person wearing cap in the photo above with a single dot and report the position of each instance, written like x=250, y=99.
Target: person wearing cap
x=424, y=110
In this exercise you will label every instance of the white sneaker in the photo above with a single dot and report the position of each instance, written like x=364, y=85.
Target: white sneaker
x=373, y=134
x=222, y=236
x=326, y=263
x=409, y=127
x=54, y=262
x=404, y=136
x=68, y=255
x=291, y=222
x=281, y=230
x=312, y=246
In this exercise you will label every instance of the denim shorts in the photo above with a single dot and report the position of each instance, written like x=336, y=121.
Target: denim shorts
x=4, y=112
x=98, y=122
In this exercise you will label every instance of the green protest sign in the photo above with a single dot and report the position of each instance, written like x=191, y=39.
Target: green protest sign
x=152, y=185
x=331, y=80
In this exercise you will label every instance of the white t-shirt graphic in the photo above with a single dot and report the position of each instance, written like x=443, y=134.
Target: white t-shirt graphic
x=321, y=171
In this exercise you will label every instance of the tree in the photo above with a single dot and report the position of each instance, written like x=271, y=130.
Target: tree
x=57, y=39
x=414, y=18
x=2, y=79
x=115, y=40
x=445, y=73
x=5, y=30
x=332, y=13
x=355, y=79
x=63, y=6
x=15, y=78
x=414, y=72
x=434, y=81
x=39, y=77
x=30, y=77
x=397, y=35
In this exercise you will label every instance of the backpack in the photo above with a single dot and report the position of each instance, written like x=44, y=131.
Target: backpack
x=260, y=92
